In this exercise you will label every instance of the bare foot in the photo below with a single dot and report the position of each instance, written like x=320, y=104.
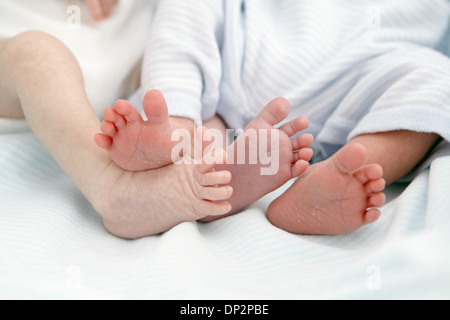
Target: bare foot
x=146, y=203
x=135, y=144
x=336, y=196
x=288, y=156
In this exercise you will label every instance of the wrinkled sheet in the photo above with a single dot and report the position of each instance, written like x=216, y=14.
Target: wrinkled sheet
x=53, y=245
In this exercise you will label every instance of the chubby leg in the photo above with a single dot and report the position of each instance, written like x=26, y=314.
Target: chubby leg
x=342, y=194
x=398, y=152
x=42, y=81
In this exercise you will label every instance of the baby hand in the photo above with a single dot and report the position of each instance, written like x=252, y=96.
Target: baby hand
x=100, y=9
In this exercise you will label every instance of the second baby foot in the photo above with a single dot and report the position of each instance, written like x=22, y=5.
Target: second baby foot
x=336, y=196
x=135, y=144
x=288, y=156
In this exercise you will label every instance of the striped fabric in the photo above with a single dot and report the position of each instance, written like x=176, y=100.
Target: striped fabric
x=352, y=67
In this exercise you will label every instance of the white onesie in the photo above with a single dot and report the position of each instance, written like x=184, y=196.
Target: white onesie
x=351, y=66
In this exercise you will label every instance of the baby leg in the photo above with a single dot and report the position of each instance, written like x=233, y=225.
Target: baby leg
x=398, y=152
x=43, y=83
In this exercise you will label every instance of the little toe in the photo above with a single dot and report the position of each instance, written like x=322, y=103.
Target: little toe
x=207, y=208
x=103, y=141
x=371, y=216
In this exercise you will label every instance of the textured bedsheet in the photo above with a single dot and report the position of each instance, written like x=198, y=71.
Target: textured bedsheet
x=53, y=245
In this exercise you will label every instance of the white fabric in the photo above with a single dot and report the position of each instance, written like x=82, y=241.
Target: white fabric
x=53, y=244
x=352, y=67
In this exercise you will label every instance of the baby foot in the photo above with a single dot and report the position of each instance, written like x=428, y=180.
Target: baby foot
x=336, y=196
x=289, y=156
x=146, y=203
x=135, y=144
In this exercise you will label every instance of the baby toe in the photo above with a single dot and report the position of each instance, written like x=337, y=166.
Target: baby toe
x=375, y=186
x=108, y=128
x=376, y=200
x=371, y=216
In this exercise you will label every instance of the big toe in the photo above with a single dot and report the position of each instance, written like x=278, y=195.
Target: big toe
x=275, y=112
x=155, y=107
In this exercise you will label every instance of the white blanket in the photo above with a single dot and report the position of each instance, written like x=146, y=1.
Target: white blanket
x=53, y=244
